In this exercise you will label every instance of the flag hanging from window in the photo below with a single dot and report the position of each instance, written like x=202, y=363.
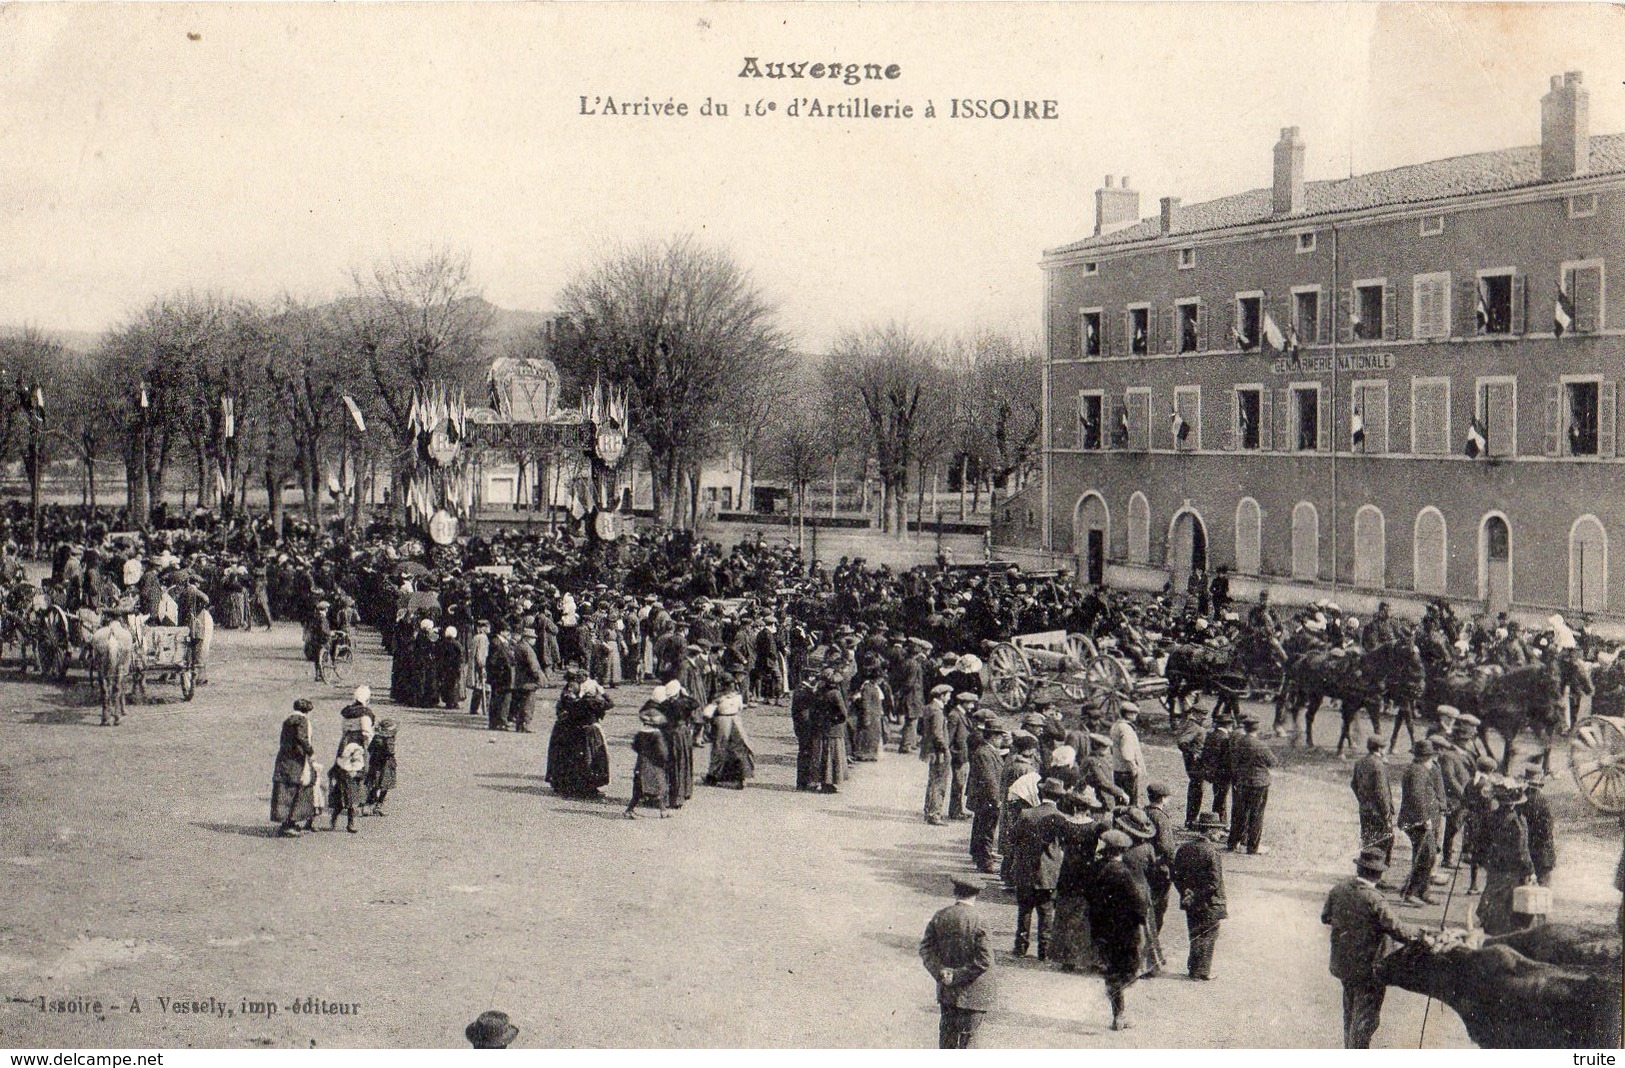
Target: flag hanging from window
x=1357, y=427
x=144, y=402
x=1562, y=313
x=1182, y=429
x=1241, y=339
x=1122, y=428
x=1272, y=333
x=1477, y=441
x=228, y=417
x=1356, y=328
x=1483, y=311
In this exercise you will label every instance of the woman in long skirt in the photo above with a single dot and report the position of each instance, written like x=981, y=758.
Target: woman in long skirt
x=871, y=719
x=649, y=786
x=293, y=780
x=732, y=761
x=1504, y=854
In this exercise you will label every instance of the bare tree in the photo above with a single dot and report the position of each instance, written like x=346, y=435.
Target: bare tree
x=307, y=370
x=888, y=369
x=412, y=323
x=996, y=385
x=684, y=328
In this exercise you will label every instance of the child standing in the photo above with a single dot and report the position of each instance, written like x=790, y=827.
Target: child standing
x=649, y=783
x=344, y=784
x=380, y=767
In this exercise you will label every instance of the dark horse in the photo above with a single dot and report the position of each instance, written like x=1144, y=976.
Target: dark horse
x=1512, y=700
x=1227, y=671
x=1358, y=680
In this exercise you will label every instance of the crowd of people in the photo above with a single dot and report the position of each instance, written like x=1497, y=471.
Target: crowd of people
x=1059, y=804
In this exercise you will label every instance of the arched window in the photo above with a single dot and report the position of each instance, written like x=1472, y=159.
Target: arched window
x=1139, y=529
x=1305, y=542
x=1429, y=542
x=1588, y=565
x=1249, y=521
x=1370, y=549
x=1495, y=562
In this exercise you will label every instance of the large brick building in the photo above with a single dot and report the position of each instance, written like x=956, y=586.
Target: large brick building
x=1288, y=381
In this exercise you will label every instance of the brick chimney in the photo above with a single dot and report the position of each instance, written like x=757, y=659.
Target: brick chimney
x=1565, y=128
x=1289, y=153
x=1116, y=207
x=1170, y=214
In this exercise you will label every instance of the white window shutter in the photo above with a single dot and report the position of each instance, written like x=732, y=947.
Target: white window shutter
x=1587, y=297
x=1374, y=410
x=1390, y=327
x=1283, y=420
x=1266, y=441
x=1323, y=423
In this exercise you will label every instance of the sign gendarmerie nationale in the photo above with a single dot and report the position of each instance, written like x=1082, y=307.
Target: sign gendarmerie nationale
x=1297, y=363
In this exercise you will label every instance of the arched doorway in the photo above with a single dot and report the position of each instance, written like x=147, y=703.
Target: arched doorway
x=1495, y=563
x=1187, y=548
x=1091, y=533
x=1370, y=549
x=1305, y=542
x=1429, y=544
x=1249, y=524
x=1139, y=529
x=1588, y=565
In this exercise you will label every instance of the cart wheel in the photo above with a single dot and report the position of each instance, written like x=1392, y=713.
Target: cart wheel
x=1109, y=684
x=1079, y=649
x=1009, y=677
x=188, y=684
x=1597, y=758
x=338, y=663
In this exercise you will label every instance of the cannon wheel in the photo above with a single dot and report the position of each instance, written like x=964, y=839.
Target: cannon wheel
x=1079, y=650
x=1109, y=684
x=1597, y=758
x=1009, y=676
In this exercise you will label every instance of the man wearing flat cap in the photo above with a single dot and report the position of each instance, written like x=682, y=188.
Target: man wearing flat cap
x=1037, y=844
x=958, y=721
x=934, y=750
x=956, y=951
x=1374, y=796
x=1362, y=925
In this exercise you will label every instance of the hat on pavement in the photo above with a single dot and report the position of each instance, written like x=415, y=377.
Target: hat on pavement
x=1137, y=824
x=1371, y=859
x=493, y=1030
x=1210, y=821
x=1115, y=839
x=967, y=886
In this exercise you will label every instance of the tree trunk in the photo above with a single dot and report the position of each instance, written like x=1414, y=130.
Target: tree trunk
x=136, y=499
x=313, y=499
x=273, y=498
x=834, y=488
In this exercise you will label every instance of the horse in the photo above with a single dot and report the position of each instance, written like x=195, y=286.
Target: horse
x=112, y=649
x=1224, y=671
x=1320, y=673
x=1512, y=700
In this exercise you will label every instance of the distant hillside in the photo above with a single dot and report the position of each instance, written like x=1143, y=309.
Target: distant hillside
x=75, y=340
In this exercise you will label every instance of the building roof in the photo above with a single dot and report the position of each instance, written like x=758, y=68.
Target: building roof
x=1481, y=172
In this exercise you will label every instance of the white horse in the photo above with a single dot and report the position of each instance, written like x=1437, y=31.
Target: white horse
x=112, y=648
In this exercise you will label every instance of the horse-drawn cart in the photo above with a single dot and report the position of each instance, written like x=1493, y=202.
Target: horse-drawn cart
x=1597, y=759
x=1018, y=669
x=164, y=654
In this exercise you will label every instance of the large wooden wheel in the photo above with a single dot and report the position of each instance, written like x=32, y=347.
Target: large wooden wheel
x=1597, y=758
x=1009, y=676
x=1108, y=684
x=1079, y=649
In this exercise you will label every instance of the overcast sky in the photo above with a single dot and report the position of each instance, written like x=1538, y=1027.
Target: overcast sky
x=275, y=147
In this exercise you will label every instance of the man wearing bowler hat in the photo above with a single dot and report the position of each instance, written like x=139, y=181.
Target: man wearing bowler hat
x=492, y=1030
x=1362, y=925
x=1420, y=801
x=956, y=951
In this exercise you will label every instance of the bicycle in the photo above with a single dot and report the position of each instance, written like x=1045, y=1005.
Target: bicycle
x=337, y=656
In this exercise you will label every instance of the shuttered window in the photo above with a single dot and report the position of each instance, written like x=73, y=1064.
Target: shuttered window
x=1497, y=409
x=1370, y=550
x=1430, y=306
x=1188, y=405
x=1368, y=410
x=1139, y=529
x=1429, y=552
x=1305, y=542
x=1249, y=522
x=1584, y=287
x=1138, y=403
x=1430, y=416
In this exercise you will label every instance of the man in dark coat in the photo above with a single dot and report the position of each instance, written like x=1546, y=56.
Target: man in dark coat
x=1362, y=925
x=1215, y=761
x=1374, y=795
x=1037, y=844
x=527, y=679
x=935, y=750
x=1456, y=771
x=449, y=669
x=1250, y=764
x=1119, y=906
x=982, y=796
x=1537, y=814
x=1192, y=737
x=830, y=713
x=1164, y=845
x=1198, y=874
x=910, y=687
x=958, y=720
x=499, y=674
x=801, y=716
x=1418, y=811
x=956, y=952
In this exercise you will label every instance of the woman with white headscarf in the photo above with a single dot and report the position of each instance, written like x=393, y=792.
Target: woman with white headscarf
x=732, y=761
